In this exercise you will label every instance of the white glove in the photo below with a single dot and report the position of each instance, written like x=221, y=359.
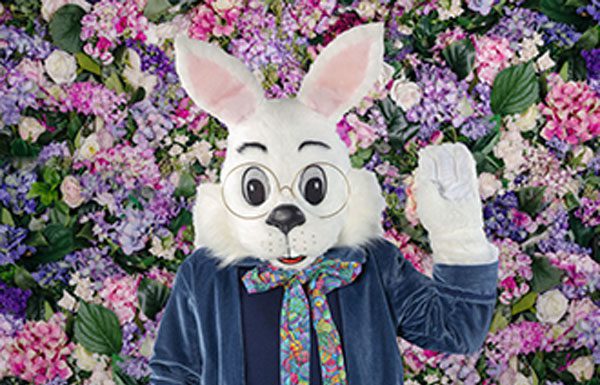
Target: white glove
x=446, y=191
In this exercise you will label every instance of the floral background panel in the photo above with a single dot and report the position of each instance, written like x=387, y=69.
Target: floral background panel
x=101, y=151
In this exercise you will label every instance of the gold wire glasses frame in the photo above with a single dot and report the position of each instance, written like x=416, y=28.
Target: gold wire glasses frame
x=270, y=201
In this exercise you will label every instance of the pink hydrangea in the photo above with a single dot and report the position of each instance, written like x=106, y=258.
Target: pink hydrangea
x=521, y=337
x=356, y=133
x=492, y=55
x=313, y=17
x=572, y=111
x=514, y=271
x=109, y=22
x=120, y=295
x=214, y=18
x=39, y=351
x=90, y=98
x=422, y=261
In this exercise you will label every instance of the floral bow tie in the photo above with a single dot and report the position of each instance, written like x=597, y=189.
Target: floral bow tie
x=323, y=276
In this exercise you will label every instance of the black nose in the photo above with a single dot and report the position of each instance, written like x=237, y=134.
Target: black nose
x=286, y=217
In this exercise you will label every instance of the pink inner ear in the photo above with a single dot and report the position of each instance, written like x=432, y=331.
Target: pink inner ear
x=340, y=77
x=222, y=93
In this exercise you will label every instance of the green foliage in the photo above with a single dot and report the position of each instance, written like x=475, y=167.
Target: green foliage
x=515, y=89
x=153, y=296
x=545, y=276
x=460, y=56
x=97, y=329
x=65, y=28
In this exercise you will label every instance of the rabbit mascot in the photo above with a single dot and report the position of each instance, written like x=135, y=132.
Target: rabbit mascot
x=291, y=281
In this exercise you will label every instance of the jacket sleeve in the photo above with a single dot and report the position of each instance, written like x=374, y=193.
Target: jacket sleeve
x=176, y=356
x=450, y=312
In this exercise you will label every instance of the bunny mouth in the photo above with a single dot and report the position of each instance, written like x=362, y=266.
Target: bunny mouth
x=291, y=260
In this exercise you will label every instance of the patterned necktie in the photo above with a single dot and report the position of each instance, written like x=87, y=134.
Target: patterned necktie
x=323, y=276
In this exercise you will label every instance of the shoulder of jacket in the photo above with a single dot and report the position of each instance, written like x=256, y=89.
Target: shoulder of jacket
x=383, y=252
x=199, y=267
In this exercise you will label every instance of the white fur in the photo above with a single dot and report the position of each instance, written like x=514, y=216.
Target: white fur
x=281, y=125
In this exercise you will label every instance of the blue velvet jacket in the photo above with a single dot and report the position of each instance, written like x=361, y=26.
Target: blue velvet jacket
x=201, y=335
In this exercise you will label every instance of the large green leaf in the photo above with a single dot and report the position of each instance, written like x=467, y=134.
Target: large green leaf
x=153, y=296
x=545, y=276
x=460, y=56
x=515, y=89
x=65, y=28
x=97, y=329
x=524, y=303
x=557, y=10
x=531, y=199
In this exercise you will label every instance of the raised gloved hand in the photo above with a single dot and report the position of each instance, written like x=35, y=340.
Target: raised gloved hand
x=448, y=205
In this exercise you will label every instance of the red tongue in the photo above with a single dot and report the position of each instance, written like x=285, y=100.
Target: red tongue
x=290, y=261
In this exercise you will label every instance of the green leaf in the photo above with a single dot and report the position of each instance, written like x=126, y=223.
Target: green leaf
x=558, y=10
x=7, y=218
x=24, y=279
x=51, y=177
x=589, y=39
x=545, y=276
x=114, y=83
x=525, y=303
x=97, y=329
x=531, y=199
x=186, y=186
x=515, y=89
x=87, y=63
x=138, y=95
x=153, y=296
x=498, y=322
x=65, y=28
x=156, y=7
x=460, y=56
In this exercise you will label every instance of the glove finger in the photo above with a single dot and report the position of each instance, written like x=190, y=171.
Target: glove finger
x=467, y=166
x=444, y=166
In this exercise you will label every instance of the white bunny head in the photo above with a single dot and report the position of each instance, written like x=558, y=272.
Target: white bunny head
x=287, y=190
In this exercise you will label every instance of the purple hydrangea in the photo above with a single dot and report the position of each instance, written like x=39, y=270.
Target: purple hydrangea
x=442, y=94
x=12, y=244
x=498, y=218
x=14, y=186
x=13, y=300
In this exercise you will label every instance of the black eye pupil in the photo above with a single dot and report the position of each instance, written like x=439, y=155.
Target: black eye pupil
x=255, y=192
x=313, y=191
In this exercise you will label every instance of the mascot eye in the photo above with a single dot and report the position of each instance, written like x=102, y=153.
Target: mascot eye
x=255, y=186
x=313, y=184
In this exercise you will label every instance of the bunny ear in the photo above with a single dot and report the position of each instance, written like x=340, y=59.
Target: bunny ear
x=217, y=82
x=345, y=71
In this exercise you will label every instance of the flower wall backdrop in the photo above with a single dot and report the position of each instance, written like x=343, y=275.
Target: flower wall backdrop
x=101, y=151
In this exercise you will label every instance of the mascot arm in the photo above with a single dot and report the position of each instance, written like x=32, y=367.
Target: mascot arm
x=450, y=312
x=176, y=358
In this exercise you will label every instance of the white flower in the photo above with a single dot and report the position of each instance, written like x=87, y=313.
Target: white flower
x=71, y=191
x=488, y=184
x=85, y=358
x=527, y=120
x=61, y=67
x=30, y=129
x=582, y=368
x=520, y=379
x=135, y=76
x=89, y=148
x=551, y=306
x=405, y=94
x=453, y=11
x=201, y=150
x=544, y=62
x=67, y=301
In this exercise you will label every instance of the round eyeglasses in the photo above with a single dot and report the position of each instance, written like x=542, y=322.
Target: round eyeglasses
x=250, y=190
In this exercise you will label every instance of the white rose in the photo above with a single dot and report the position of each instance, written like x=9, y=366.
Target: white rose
x=61, y=66
x=30, y=128
x=488, y=184
x=71, y=191
x=582, y=368
x=551, y=306
x=405, y=94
